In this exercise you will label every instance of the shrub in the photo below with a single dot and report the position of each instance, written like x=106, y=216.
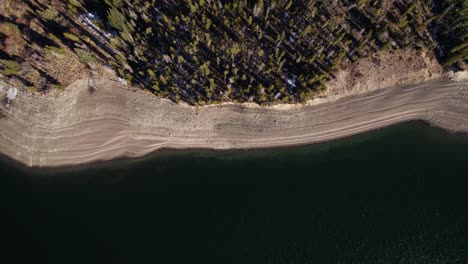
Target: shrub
x=12, y=27
x=72, y=9
x=49, y=14
x=117, y=20
x=72, y=37
x=115, y=3
x=54, y=38
x=11, y=67
x=385, y=46
x=98, y=23
x=450, y=61
x=85, y=56
x=74, y=3
x=57, y=50
x=58, y=86
x=73, y=6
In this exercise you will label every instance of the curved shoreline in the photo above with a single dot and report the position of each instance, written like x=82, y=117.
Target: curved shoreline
x=78, y=127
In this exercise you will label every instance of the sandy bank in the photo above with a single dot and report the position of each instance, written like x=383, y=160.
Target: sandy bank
x=79, y=126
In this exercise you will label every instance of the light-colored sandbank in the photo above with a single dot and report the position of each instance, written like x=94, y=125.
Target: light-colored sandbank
x=77, y=126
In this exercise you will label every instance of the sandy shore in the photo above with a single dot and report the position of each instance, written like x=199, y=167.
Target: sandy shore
x=77, y=126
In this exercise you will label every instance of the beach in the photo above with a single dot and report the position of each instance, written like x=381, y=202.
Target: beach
x=79, y=126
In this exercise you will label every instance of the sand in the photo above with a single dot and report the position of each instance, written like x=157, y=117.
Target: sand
x=78, y=126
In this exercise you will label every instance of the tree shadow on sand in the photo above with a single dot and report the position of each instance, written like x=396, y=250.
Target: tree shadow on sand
x=2, y=115
x=3, y=103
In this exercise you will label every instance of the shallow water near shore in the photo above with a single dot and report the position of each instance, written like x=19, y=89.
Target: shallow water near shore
x=396, y=195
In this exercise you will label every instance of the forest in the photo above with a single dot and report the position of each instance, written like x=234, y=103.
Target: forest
x=206, y=52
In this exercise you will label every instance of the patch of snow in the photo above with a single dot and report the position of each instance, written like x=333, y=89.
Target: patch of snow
x=11, y=94
x=122, y=81
x=89, y=18
x=458, y=76
x=292, y=82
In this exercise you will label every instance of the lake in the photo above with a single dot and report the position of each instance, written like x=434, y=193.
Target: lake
x=396, y=195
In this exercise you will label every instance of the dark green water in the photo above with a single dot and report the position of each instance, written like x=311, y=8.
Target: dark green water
x=397, y=195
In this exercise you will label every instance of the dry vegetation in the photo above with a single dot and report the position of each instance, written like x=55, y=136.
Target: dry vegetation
x=204, y=52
